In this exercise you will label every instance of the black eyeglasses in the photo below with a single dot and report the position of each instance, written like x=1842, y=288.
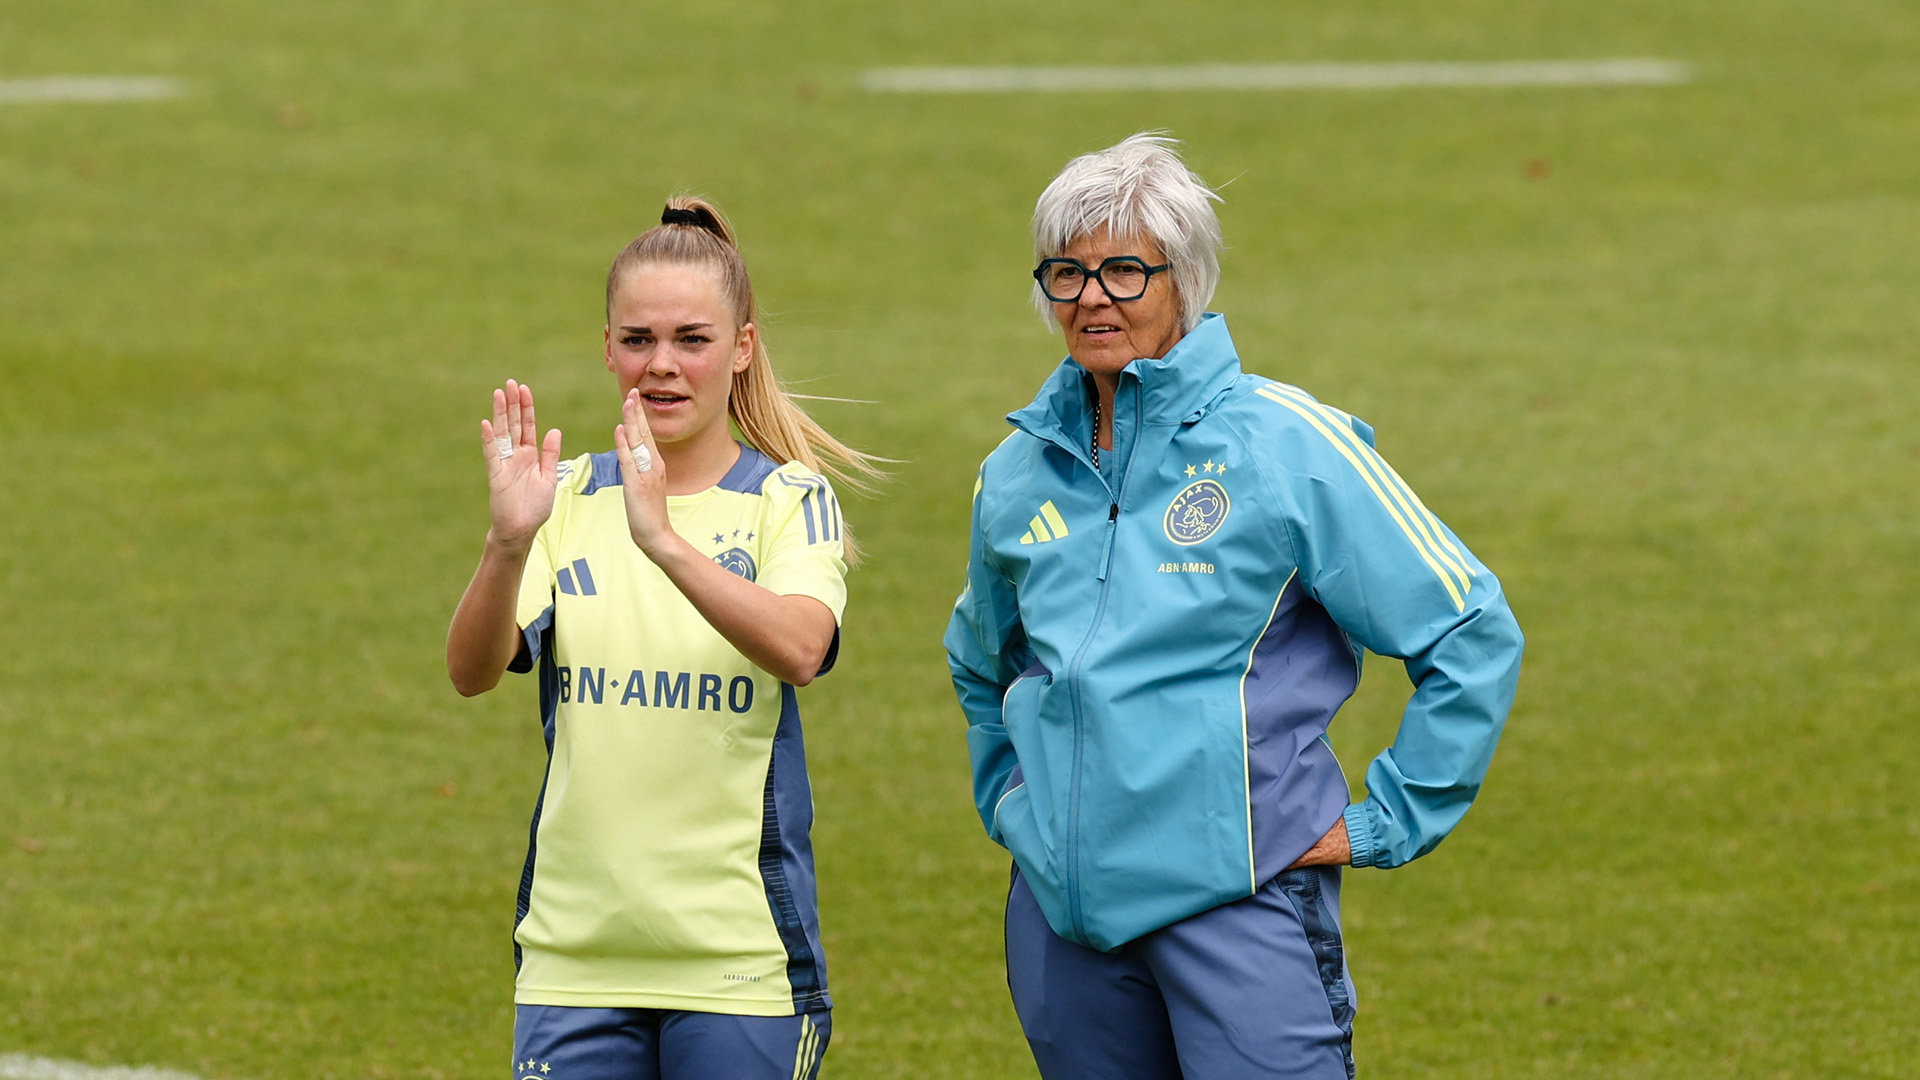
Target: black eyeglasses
x=1123, y=277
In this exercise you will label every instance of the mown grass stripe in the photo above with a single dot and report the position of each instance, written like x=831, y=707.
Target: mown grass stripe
x=89, y=88
x=1316, y=76
x=27, y=1067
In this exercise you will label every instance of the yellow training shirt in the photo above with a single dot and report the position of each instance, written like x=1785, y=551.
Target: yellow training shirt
x=669, y=864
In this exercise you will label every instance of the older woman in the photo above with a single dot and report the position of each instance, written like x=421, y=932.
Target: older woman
x=1176, y=567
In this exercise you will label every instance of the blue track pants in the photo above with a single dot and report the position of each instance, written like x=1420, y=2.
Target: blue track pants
x=562, y=1042
x=1250, y=990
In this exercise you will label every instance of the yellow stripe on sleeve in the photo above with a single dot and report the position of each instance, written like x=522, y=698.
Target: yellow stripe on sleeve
x=1437, y=530
x=1427, y=555
x=1423, y=519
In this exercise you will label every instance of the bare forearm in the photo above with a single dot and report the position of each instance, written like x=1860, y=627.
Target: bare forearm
x=786, y=636
x=521, y=480
x=1333, y=849
x=483, y=637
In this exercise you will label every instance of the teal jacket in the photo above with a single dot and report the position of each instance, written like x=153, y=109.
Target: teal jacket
x=1149, y=660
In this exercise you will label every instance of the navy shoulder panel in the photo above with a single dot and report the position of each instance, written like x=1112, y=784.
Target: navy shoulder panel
x=606, y=472
x=749, y=472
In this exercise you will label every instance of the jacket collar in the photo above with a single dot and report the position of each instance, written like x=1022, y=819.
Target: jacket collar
x=1177, y=388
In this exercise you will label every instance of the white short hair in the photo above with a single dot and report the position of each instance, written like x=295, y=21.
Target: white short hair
x=1137, y=187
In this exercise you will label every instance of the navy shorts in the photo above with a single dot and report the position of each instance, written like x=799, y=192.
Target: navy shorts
x=1253, y=989
x=564, y=1042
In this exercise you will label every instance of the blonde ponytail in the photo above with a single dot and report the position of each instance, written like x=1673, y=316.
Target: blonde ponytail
x=693, y=232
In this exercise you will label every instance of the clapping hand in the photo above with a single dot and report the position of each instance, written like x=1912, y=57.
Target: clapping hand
x=643, y=476
x=521, y=474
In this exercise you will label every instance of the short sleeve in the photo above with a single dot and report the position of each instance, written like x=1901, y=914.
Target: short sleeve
x=536, y=583
x=806, y=554
x=533, y=612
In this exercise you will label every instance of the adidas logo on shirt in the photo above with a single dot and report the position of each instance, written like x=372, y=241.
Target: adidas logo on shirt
x=1046, y=525
x=578, y=572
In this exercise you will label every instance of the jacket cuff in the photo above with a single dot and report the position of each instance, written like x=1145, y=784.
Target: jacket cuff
x=1359, y=834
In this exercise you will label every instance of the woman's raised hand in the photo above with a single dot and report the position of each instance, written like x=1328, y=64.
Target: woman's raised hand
x=643, y=475
x=521, y=474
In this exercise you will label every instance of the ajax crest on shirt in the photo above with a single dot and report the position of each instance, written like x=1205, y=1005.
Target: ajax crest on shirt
x=738, y=562
x=1197, y=512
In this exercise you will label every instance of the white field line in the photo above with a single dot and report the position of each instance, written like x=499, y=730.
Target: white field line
x=1329, y=76
x=61, y=88
x=26, y=1067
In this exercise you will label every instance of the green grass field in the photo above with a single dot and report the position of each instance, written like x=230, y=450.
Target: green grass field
x=1650, y=351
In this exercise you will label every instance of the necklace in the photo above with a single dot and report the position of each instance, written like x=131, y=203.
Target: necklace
x=1095, y=446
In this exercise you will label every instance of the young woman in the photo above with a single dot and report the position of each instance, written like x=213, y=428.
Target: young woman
x=672, y=593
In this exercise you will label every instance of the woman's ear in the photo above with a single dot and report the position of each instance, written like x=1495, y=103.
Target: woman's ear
x=607, y=334
x=743, y=348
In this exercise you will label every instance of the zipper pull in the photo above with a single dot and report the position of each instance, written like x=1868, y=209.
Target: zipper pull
x=1113, y=524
